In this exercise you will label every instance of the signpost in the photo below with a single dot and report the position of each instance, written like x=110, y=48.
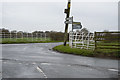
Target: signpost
x=76, y=25
x=69, y=20
x=67, y=11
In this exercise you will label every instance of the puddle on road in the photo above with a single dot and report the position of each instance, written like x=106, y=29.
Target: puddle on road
x=20, y=63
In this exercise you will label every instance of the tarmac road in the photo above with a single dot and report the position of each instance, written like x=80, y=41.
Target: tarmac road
x=36, y=60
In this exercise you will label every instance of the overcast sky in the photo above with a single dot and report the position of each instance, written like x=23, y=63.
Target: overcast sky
x=47, y=16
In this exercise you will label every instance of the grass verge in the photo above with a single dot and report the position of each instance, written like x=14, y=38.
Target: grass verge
x=67, y=49
x=90, y=53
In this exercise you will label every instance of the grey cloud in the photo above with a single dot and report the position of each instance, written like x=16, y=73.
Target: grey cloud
x=50, y=15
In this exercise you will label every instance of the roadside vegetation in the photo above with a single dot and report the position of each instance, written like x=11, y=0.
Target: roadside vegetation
x=103, y=53
x=13, y=37
x=69, y=50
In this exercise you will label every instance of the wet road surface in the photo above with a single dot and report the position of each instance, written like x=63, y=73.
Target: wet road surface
x=38, y=61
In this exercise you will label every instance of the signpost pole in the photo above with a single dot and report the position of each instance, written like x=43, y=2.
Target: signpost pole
x=72, y=32
x=67, y=11
x=72, y=23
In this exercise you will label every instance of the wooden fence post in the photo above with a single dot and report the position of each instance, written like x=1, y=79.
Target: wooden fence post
x=95, y=40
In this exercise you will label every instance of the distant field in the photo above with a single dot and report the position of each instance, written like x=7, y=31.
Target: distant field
x=24, y=40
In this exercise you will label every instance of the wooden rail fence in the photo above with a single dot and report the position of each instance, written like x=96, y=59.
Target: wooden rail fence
x=107, y=40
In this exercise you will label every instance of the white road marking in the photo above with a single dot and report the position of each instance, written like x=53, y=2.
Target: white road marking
x=113, y=70
x=45, y=64
x=38, y=68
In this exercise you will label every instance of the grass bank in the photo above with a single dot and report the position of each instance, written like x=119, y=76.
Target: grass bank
x=90, y=53
x=67, y=49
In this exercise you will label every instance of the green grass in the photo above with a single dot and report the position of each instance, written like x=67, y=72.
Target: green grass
x=103, y=53
x=67, y=49
x=108, y=52
x=109, y=43
x=25, y=40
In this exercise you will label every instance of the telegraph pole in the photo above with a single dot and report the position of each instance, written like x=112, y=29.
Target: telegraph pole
x=67, y=11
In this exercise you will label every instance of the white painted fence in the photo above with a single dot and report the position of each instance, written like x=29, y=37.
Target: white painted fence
x=81, y=40
x=37, y=36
